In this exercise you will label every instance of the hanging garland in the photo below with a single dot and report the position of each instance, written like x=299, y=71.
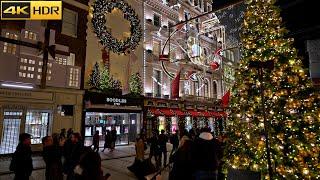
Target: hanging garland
x=99, y=20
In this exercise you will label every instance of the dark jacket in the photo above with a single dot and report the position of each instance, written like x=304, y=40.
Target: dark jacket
x=72, y=156
x=96, y=140
x=52, y=157
x=163, y=139
x=22, y=161
x=206, y=152
x=182, y=161
x=113, y=135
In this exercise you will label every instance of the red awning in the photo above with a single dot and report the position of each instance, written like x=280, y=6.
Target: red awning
x=214, y=114
x=155, y=111
x=178, y=112
x=205, y=114
x=167, y=112
x=194, y=113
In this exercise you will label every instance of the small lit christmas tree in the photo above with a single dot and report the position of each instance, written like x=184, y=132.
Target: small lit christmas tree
x=135, y=84
x=94, y=79
x=291, y=106
x=106, y=82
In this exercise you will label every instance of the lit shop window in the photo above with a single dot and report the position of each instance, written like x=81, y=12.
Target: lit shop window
x=162, y=123
x=30, y=35
x=37, y=124
x=10, y=131
x=74, y=77
x=8, y=47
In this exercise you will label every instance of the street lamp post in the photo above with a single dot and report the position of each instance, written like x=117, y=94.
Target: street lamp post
x=260, y=66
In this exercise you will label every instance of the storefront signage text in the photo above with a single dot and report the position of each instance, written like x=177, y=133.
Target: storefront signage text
x=116, y=101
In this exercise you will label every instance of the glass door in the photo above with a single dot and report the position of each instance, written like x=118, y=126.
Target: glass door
x=10, y=132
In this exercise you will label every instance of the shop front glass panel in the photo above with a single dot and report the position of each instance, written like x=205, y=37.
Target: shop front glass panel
x=124, y=123
x=162, y=123
x=202, y=123
x=10, y=131
x=211, y=125
x=37, y=124
x=188, y=123
x=174, y=124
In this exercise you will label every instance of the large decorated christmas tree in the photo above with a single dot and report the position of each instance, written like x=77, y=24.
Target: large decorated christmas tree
x=292, y=118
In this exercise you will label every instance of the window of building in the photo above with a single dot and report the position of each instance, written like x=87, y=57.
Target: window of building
x=61, y=60
x=71, y=59
x=37, y=124
x=214, y=89
x=156, y=48
x=157, y=83
x=206, y=88
x=10, y=131
x=196, y=2
x=8, y=47
x=156, y=20
x=74, y=77
x=187, y=87
x=197, y=88
x=30, y=35
x=69, y=22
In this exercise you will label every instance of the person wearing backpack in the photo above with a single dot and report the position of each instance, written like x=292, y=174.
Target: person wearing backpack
x=21, y=162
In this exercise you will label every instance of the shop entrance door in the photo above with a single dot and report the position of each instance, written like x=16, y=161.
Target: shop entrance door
x=10, y=131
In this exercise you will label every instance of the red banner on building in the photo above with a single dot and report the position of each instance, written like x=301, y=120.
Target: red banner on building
x=175, y=86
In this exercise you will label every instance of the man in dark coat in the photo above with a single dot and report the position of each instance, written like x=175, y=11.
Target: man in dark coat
x=52, y=153
x=113, y=138
x=163, y=139
x=21, y=163
x=205, y=156
x=72, y=154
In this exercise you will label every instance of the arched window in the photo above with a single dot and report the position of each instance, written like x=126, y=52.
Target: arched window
x=214, y=89
x=206, y=88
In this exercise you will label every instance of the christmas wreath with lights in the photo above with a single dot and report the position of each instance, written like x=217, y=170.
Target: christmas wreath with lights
x=100, y=8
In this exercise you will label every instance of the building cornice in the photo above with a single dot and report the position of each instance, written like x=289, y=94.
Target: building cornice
x=163, y=9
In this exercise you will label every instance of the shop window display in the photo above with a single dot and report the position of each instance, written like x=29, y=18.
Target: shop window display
x=174, y=124
x=37, y=124
x=122, y=122
x=162, y=123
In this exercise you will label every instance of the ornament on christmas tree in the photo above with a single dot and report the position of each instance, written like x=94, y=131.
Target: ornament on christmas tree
x=99, y=20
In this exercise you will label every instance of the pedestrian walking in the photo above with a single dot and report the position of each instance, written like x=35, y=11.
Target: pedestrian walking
x=21, y=162
x=163, y=139
x=69, y=133
x=155, y=148
x=89, y=167
x=113, y=138
x=72, y=155
x=95, y=141
x=107, y=141
x=205, y=156
x=52, y=154
x=182, y=159
x=174, y=140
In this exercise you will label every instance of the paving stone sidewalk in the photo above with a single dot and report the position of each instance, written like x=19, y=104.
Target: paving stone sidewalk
x=115, y=163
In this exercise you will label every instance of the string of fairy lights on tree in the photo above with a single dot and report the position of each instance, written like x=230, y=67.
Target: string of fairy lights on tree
x=291, y=104
x=100, y=8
